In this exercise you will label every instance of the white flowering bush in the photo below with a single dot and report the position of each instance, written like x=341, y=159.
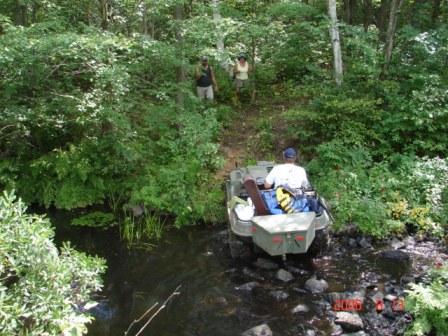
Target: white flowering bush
x=383, y=198
x=432, y=175
x=429, y=179
x=43, y=292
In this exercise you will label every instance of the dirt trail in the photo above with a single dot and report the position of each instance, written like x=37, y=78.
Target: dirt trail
x=234, y=139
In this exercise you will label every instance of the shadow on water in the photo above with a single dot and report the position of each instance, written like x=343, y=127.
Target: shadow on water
x=213, y=300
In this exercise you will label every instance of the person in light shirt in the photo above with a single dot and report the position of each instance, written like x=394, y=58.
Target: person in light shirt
x=241, y=71
x=288, y=173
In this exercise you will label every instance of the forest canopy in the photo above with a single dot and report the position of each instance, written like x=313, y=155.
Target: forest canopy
x=97, y=101
x=98, y=105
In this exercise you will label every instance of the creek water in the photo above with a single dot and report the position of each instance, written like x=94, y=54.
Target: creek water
x=211, y=299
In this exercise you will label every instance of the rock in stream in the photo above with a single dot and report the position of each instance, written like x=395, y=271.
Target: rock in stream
x=261, y=330
x=349, y=322
x=284, y=275
x=316, y=286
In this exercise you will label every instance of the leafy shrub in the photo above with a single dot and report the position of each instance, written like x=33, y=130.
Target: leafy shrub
x=225, y=115
x=95, y=128
x=381, y=198
x=42, y=291
x=429, y=305
x=305, y=54
x=208, y=202
x=333, y=115
x=264, y=140
x=63, y=112
x=179, y=188
x=337, y=154
x=419, y=118
x=292, y=11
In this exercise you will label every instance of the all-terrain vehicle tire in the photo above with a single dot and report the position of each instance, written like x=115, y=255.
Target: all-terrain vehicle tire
x=320, y=244
x=239, y=249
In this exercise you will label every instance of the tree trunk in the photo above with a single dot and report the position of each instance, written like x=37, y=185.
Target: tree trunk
x=381, y=19
x=34, y=11
x=217, y=21
x=367, y=14
x=391, y=28
x=435, y=11
x=254, y=70
x=153, y=30
x=20, y=14
x=89, y=15
x=104, y=14
x=222, y=59
x=335, y=41
x=348, y=11
x=179, y=15
x=145, y=20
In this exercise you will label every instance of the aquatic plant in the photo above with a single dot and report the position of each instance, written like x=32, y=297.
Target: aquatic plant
x=97, y=219
x=142, y=231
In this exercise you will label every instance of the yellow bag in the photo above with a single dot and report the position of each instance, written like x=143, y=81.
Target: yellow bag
x=285, y=199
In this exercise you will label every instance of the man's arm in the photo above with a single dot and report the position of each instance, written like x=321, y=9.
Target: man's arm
x=197, y=73
x=235, y=69
x=269, y=180
x=305, y=183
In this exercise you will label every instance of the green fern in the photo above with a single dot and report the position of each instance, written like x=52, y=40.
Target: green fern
x=429, y=305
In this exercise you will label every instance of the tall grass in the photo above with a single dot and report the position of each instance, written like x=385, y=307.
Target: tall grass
x=142, y=232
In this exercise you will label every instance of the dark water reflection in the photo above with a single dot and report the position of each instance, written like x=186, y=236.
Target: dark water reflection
x=209, y=303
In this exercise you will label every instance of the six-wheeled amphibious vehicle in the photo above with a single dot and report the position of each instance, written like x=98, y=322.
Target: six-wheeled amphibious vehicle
x=254, y=222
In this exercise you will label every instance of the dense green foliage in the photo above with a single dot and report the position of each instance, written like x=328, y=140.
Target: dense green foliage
x=369, y=137
x=84, y=122
x=387, y=197
x=97, y=103
x=97, y=106
x=429, y=305
x=375, y=143
x=42, y=291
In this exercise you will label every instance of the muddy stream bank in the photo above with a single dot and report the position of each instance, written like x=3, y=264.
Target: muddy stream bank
x=221, y=296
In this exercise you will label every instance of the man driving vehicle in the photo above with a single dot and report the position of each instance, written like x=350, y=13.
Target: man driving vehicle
x=288, y=173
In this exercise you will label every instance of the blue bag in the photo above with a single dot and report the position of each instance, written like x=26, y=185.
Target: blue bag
x=269, y=197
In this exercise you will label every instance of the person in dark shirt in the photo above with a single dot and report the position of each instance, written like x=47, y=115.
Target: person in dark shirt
x=205, y=80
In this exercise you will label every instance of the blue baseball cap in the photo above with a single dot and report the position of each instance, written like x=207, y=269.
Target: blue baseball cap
x=289, y=153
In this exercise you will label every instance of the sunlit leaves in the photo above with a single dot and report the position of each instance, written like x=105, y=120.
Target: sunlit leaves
x=428, y=303
x=42, y=291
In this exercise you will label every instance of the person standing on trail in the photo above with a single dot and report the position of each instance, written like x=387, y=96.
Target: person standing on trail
x=241, y=73
x=205, y=80
x=287, y=174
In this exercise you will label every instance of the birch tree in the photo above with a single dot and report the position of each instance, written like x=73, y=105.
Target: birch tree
x=222, y=56
x=219, y=36
x=179, y=16
x=391, y=28
x=335, y=41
